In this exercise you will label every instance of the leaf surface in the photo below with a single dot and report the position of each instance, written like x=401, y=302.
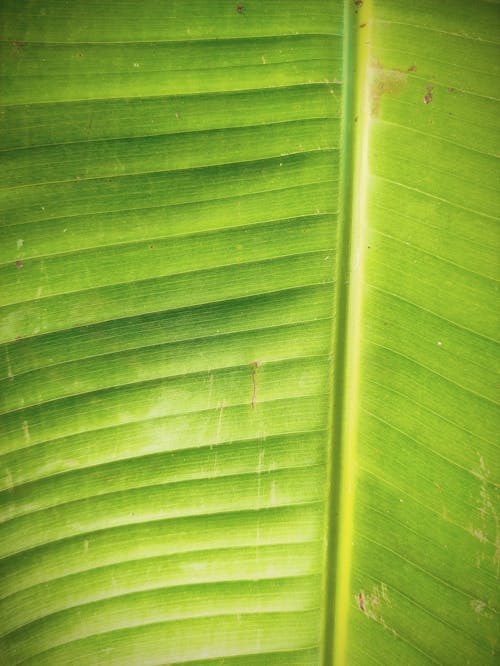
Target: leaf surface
x=248, y=393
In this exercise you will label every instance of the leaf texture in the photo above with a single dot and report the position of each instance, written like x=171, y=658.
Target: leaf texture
x=249, y=267
x=423, y=527
x=169, y=211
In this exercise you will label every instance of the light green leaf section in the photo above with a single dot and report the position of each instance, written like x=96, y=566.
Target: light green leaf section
x=420, y=522
x=249, y=261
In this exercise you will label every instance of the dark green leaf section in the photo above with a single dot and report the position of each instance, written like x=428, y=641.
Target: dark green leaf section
x=168, y=244
x=172, y=21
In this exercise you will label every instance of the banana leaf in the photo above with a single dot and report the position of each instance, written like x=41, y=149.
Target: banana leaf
x=249, y=261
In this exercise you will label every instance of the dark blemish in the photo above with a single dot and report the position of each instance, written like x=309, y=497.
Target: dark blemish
x=17, y=46
x=79, y=55
x=89, y=126
x=151, y=247
x=428, y=95
x=361, y=601
x=255, y=365
x=19, y=337
x=413, y=68
x=363, y=25
x=239, y=9
x=19, y=263
x=358, y=3
x=452, y=89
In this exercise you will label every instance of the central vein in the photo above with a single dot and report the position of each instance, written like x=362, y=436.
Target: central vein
x=347, y=334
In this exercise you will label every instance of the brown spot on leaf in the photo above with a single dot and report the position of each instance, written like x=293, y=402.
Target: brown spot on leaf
x=363, y=25
x=385, y=82
x=255, y=365
x=428, y=95
x=17, y=46
x=19, y=263
x=374, y=603
x=358, y=3
x=239, y=8
x=413, y=68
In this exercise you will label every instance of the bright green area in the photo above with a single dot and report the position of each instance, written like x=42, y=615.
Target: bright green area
x=249, y=260
x=424, y=551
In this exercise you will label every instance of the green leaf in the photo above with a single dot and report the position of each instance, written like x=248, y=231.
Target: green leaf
x=249, y=395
